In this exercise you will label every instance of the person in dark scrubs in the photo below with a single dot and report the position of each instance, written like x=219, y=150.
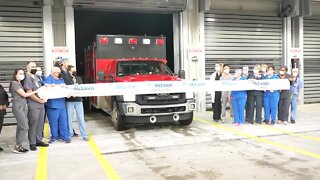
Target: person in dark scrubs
x=285, y=98
x=216, y=95
x=4, y=103
x=254, y=99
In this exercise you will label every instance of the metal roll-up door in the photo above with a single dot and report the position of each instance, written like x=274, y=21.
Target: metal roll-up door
x=242, y=39
x=159, y=6
x=20, y=39
x=311, y=45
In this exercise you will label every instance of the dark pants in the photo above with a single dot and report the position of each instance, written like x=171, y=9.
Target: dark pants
x=283, y=108
x=216, y=106
x=1, y=121
x=36, y=123
x=254, y=104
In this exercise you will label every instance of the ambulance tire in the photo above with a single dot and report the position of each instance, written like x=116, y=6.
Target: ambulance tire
x=186, y=122
x=117, y=119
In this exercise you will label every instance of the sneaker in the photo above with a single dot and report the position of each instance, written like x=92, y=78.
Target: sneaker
x=279, y=122
x=86, y=138
x=293, y=121
x=33, y=147
x=1, y=149
x=67, y=141
x=52, y=141
x=285, y=122
x=75, y=134
x=42, y=144
x=20, y=150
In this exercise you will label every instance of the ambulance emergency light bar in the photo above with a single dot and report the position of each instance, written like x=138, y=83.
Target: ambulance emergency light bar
x=132, y=46
x=134, y=41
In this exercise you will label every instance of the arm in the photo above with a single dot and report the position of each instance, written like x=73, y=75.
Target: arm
x=36, y=98
x=22, y=93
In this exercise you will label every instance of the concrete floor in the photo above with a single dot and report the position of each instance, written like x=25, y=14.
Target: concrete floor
x=203, y=150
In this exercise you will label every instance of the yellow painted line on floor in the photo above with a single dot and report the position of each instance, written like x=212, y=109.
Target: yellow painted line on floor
x=292, y=133
x=41, y=173
x=282, y=146
x=105, y=164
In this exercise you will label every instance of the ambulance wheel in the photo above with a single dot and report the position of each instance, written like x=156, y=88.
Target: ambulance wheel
x=117, y=119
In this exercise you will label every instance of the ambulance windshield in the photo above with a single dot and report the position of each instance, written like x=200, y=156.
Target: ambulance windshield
x=130, y=68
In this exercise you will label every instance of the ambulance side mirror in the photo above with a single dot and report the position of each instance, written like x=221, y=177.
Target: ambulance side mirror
x=110, y=77
x=101, y=76
x=182, y=74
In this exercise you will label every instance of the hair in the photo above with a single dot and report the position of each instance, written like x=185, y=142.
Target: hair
x=272, y=67
x=70, y=67
x=57, y=64
x=55, y=69
x=285, y=67
x=225, y=65
x=264, y=66
x=14, y=78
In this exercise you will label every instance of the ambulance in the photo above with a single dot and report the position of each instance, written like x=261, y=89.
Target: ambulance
x=122, y=58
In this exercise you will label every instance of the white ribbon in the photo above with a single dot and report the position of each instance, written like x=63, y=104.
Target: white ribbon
x=153, y=87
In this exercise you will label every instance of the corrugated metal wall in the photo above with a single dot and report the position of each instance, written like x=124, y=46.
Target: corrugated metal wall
x=242, y=39
x=20, y=39
x=312, y=59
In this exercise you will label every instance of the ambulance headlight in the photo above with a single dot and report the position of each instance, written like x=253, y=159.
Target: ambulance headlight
x=129, y=97
x=189, y=95
x=130, y=109
x=192, y=106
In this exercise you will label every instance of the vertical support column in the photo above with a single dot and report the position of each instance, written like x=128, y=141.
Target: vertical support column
x=301, y=58
x=202, y=63
x=47, y=36
x=184, y=42
x=70, y=31
x=176, y=41
x=287, y=43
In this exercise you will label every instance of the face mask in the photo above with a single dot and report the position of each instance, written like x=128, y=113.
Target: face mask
x=20, y=77
x=74, y=73
x=244, y=72
x=270, y=72
x=255, y=71
x=263, y=69
x=39, y=73
x=294, y=74
x=226, y=71
x=281, y=72
x=33, y=71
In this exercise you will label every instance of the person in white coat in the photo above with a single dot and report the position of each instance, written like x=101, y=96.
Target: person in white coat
x=216, y=95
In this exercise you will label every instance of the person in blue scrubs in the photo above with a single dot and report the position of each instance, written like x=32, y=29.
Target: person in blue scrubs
x=56, y=109
x=271, y=99
x=238, y=100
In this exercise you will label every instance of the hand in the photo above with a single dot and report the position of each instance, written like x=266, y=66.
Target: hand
x=63, y=85
x=44, y=100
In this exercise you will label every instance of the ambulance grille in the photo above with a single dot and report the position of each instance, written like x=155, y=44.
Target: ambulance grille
x=161, y=98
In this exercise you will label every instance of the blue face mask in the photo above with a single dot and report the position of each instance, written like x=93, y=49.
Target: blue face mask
x=39, y=73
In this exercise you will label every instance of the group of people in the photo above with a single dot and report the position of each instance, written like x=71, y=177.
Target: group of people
x=277, y=104
x=30, y=109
